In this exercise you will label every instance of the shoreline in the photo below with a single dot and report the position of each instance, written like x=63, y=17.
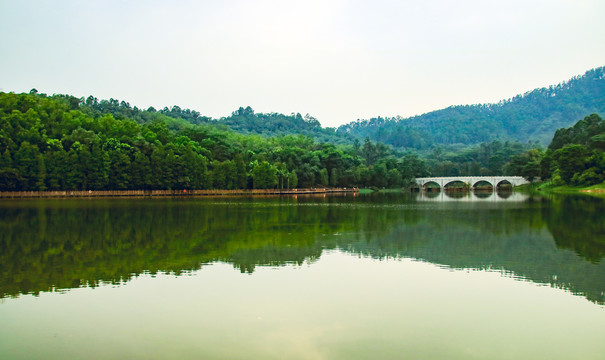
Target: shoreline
x=168, y=193
x=547, y=188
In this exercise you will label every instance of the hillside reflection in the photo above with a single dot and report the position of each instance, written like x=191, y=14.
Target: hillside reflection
x=61, y=244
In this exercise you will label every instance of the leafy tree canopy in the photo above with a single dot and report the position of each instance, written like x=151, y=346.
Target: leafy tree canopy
x=61, y=142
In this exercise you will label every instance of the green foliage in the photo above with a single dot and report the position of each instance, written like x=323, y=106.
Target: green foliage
x=485, y=159
x=588, y=132
x=243, y=120
x=292, y=180
x=63, y=143
x=576, y=154
x=574, y=157
x=531, y=116
x=264, y=175
x=526, y=164
x=570, y=159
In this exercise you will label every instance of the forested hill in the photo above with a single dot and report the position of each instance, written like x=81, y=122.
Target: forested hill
x=61, y=142
x=243, y=120
x=534, y=115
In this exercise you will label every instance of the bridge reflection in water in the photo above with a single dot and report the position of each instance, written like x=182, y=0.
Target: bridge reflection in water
x=471, y=196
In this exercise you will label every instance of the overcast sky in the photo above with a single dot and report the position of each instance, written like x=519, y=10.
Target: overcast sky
x=337, y=60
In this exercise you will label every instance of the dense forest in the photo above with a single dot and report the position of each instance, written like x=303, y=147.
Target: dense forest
x=442, y=160
x=532, y=116
x=61, y=142
x=576, y=156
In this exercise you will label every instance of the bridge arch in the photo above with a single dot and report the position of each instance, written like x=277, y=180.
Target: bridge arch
x=477, y=183
x=431, y=185
x=504, y=183
x=450, y=184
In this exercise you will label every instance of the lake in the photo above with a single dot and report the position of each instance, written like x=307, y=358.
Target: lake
x=425, y=276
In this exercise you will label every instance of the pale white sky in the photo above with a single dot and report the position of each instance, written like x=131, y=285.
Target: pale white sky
x=338, y=60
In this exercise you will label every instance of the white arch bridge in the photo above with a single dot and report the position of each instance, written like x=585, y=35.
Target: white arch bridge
x=472, y=181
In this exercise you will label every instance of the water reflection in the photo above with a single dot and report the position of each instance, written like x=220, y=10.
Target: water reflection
x=49, y=245
x=476, y=195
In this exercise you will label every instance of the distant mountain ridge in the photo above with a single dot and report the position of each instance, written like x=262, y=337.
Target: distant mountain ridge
x=533, y=116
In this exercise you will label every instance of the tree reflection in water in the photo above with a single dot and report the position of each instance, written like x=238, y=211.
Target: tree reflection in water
x=51, y=245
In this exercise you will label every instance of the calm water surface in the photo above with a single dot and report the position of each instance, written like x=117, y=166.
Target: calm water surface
x=495, y=276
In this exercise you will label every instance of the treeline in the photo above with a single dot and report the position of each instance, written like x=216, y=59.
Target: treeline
x=61, y=142
x=576, y=156
x=531, y=116
x=243, y=120
x=484, y=159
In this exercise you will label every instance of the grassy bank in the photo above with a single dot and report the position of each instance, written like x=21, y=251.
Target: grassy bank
x=548, y=187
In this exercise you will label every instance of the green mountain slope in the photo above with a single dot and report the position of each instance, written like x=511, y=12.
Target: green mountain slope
x=533, y=116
